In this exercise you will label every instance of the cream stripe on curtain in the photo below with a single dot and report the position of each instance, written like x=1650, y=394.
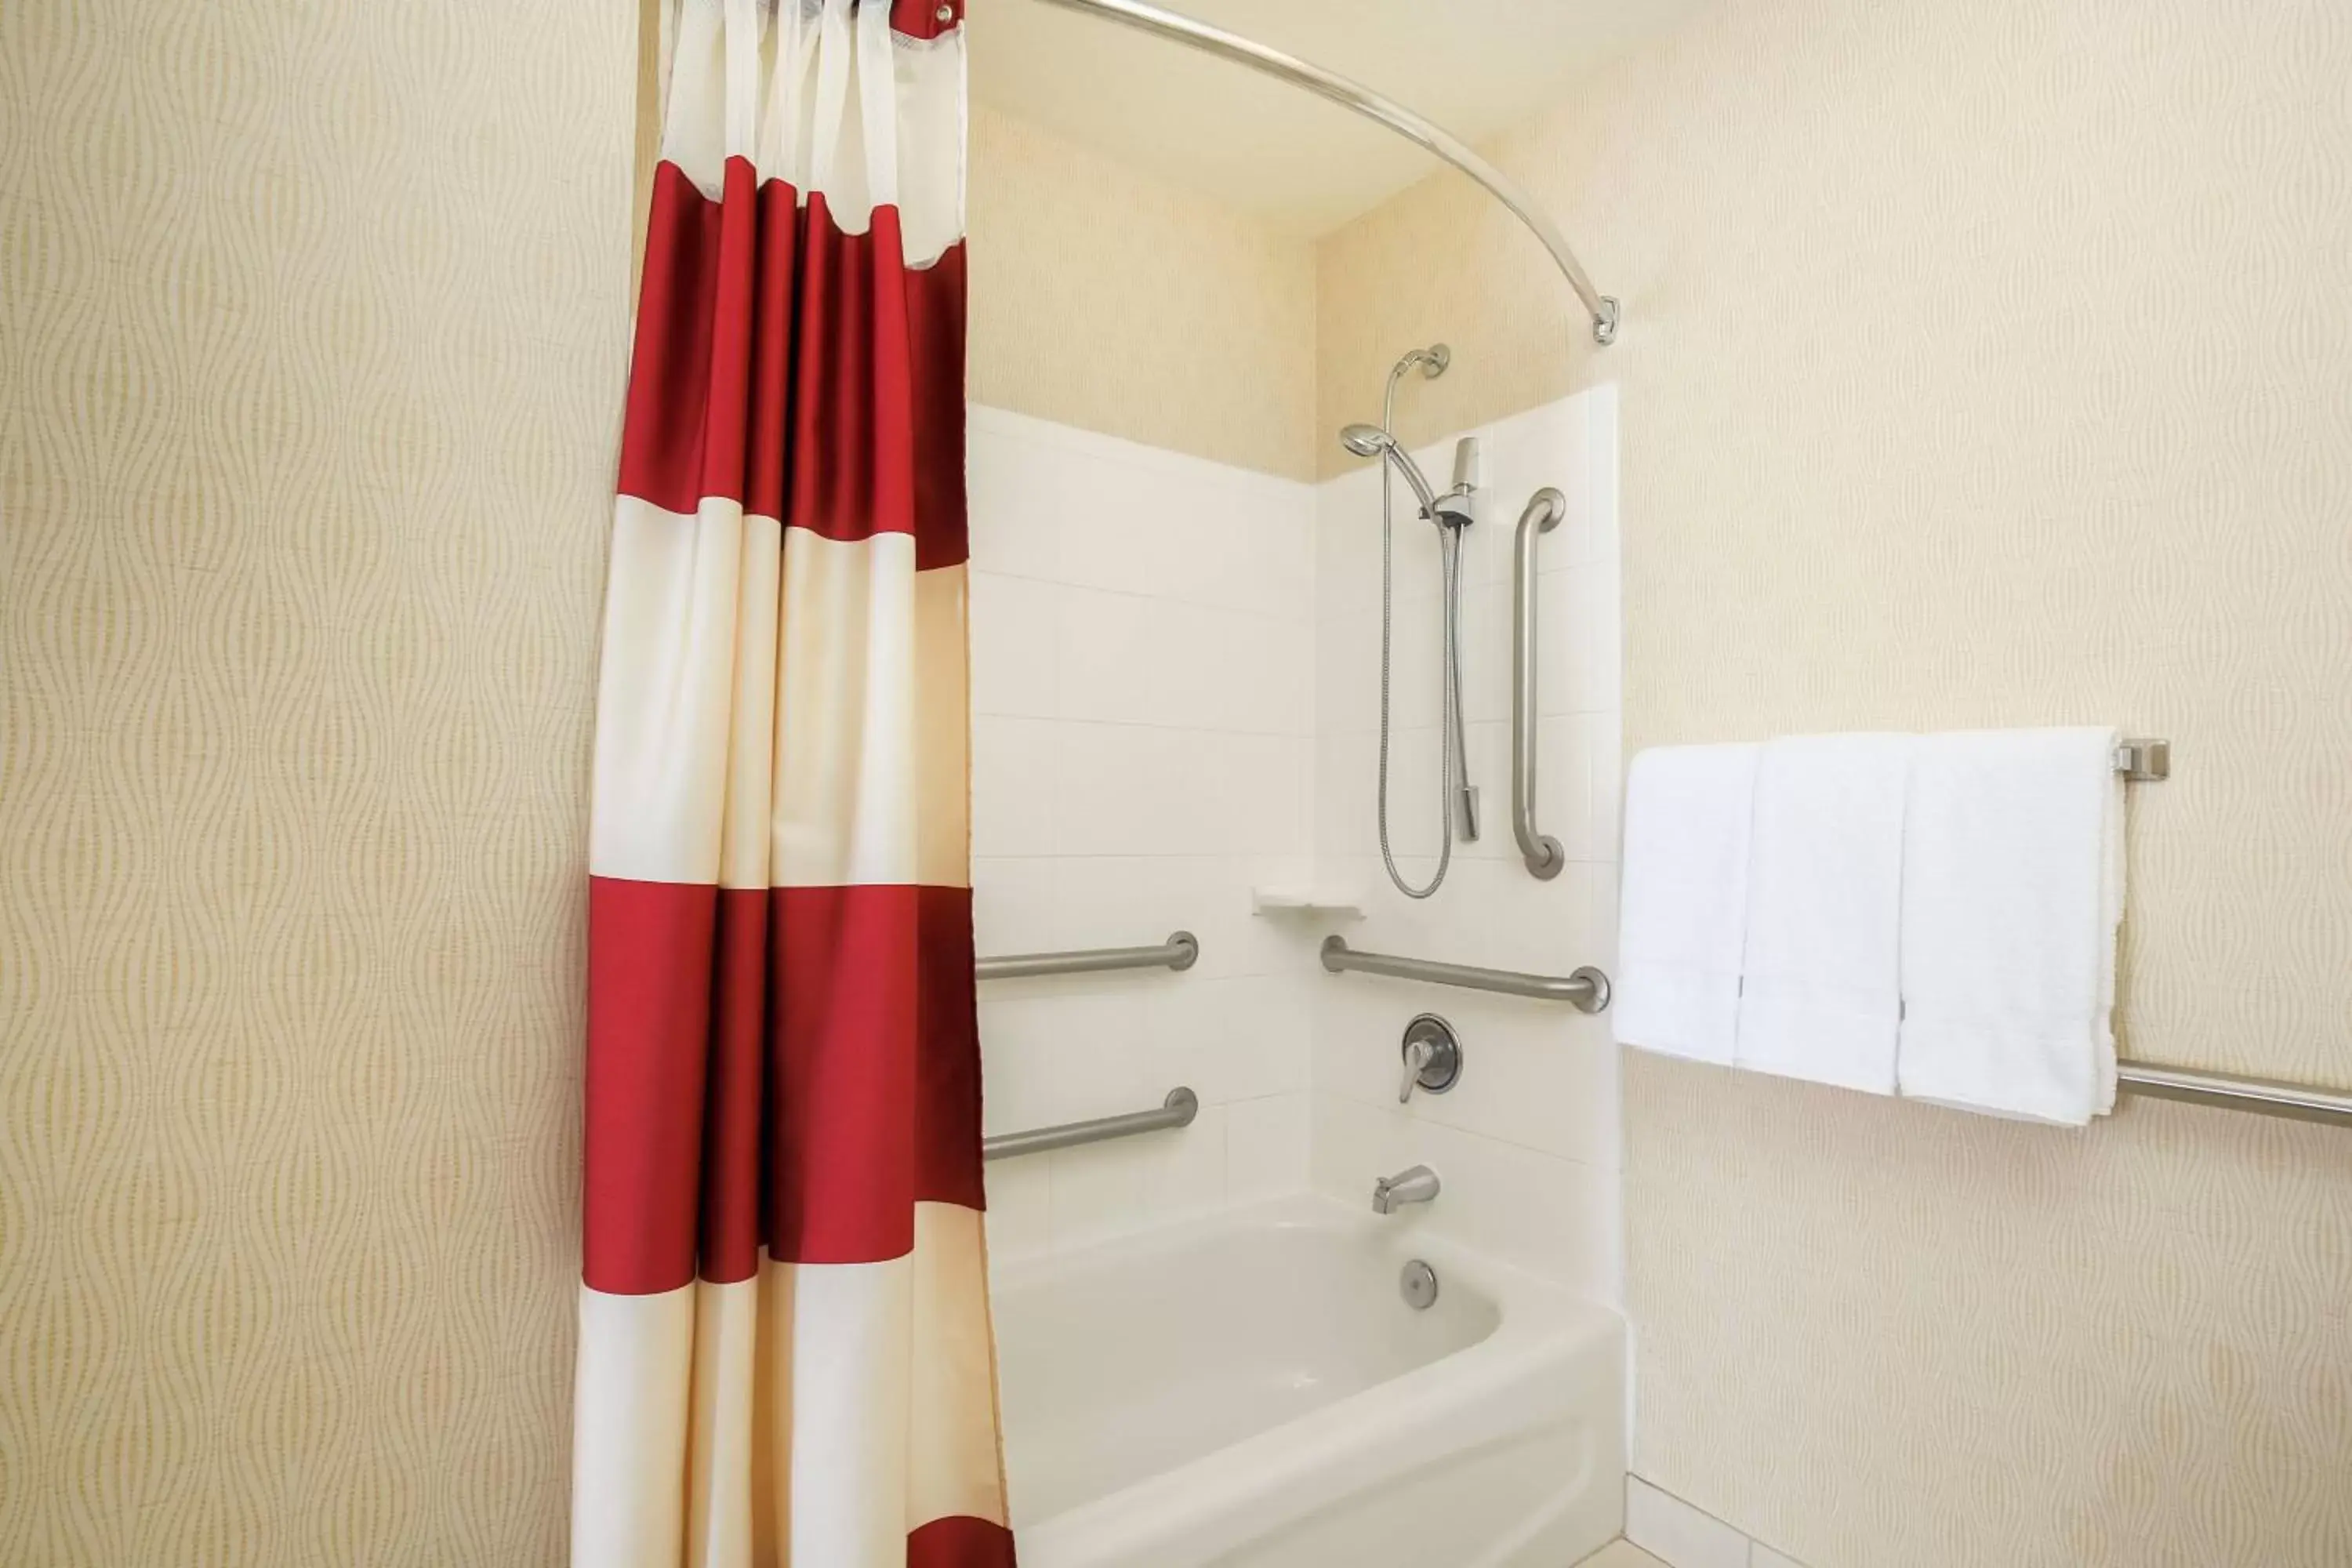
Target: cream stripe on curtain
x=784, y=1347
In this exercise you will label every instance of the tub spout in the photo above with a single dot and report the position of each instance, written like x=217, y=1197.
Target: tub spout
x=1416, y=1185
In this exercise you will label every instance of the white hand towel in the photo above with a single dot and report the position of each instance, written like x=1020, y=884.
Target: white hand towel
x=1819, y=998
x=2012, y=889
x=1683, y=916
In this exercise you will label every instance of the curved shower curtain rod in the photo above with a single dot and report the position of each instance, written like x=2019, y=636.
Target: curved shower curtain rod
x=1339, y=89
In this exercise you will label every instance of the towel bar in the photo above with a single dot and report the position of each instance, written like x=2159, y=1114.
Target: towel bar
x=2264, y=1097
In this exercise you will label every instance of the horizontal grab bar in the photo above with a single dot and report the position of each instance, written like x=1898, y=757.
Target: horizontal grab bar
x=1179, y=951
x=2266, y=1097
x=1586, y=989
x=1177, y=1111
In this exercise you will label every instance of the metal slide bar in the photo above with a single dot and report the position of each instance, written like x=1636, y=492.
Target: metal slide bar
x=1586, y=989
x=2265, y=1096
x=1177, y=1111
x=1353, y=95
x=1539, y=850
x=1181, y=950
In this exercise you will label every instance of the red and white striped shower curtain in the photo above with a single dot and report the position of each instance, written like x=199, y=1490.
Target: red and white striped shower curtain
x=784, y=1346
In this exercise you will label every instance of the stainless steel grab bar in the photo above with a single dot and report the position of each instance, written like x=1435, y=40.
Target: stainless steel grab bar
x=1177, y=1111
x=1540, y=851
x=2268, y=1096
x=1181, y=950
x=1585, y=989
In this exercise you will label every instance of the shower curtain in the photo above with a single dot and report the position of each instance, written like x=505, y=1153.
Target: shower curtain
x=784, y=1348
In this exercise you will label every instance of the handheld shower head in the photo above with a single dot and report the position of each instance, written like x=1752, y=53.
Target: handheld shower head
x=1371, y=440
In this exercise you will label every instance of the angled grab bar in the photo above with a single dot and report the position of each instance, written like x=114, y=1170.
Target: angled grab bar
x=1539, y=850
x=1586, y=990
x=1181, y=950
x=1177, y=1111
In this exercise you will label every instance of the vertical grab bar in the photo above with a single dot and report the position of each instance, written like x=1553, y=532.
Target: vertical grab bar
x=1540, y=850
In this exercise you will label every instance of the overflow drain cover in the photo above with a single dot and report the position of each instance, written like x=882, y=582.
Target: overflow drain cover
x=1418, y=1285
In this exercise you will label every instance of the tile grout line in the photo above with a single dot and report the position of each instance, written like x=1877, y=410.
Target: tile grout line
x=1684, y=1535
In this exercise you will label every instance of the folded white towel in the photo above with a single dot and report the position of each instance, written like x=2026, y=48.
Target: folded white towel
x=1819, y=998
x=1683, y=916
x=2012, y=889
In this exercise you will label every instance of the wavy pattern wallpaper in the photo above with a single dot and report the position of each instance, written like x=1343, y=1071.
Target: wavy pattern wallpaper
x=313, y=320
x=1985, y=364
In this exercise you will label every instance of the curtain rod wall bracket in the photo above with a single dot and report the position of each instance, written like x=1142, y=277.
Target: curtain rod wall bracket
x=1340, y=89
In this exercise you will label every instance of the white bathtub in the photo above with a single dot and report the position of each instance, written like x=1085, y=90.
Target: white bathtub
x=1252, y=1389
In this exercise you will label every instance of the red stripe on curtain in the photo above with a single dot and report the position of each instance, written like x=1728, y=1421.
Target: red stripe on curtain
x=731, y=1125
x=838, y=1007
x=871, y=1014
x=728, y=399
x=649, y=952
x=771, y=353
x=935, y=335
x=864, y=410
x=669, y=369
x=947, y=1066
x=959, y=1541
x=855, y=461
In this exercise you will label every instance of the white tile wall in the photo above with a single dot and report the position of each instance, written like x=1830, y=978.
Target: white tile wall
x=1528, y=1143
x=1175, y=687
x=1142, y=653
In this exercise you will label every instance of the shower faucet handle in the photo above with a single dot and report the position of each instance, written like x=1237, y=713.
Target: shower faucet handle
x=1432, y=1057
x=1417, y=1053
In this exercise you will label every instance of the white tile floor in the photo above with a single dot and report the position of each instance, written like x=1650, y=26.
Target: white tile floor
x=1662, y=1530
x=1620, y=1555
x=1683, y=1536
x=1624, y=1553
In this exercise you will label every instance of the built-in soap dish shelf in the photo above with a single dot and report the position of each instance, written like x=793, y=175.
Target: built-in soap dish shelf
x=1308, y=903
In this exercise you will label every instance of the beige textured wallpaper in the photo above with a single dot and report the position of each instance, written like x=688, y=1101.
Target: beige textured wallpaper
x=312, y=331
x=1106, y=299
x=1984, y=363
